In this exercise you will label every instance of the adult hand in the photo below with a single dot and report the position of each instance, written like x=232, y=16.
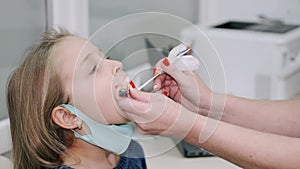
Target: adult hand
x=185, y=87
x=157, y=114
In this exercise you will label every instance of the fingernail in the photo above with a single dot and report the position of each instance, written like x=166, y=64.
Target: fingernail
x=155, y=87
x=132, y=84
x=154, y=71
x=166, y=93
x=166, y=62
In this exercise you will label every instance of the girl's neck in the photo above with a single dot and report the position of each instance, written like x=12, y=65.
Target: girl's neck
x=84, y=155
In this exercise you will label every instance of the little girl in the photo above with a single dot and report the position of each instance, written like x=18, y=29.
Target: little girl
x=59, y=79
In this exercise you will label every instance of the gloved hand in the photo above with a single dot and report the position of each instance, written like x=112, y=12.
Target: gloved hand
x=155, y=113
x=185, y=87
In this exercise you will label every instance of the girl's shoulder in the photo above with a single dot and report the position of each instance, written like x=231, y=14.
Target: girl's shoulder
x=134, y=150
x=133, y=157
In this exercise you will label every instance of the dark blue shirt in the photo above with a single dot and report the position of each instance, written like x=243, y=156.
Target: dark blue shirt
x=132, y=158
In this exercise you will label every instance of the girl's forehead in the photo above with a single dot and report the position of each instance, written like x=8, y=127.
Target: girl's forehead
x=76, y=44
x=73, y=49
x=70, y=52
x=66, y=53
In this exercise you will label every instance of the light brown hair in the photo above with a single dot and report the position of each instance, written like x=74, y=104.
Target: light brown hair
x=33, y=90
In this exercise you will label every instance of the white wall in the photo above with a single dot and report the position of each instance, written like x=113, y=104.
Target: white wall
x=21, y=25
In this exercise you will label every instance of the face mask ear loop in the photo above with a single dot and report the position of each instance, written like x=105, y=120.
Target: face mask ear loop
x=79, y=123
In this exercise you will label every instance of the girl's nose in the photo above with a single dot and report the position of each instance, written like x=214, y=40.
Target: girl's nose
x=117, y=66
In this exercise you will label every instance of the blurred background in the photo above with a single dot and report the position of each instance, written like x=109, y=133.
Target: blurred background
x=248, y=48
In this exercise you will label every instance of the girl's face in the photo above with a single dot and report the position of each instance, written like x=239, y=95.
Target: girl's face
x=90, y=81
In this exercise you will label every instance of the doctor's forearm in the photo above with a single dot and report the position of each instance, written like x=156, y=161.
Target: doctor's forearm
x=278, y=117
x=247, y=148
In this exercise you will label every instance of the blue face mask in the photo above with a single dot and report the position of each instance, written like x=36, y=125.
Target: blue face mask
x=114, y=138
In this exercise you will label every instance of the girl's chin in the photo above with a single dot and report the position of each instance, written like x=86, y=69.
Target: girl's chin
x=121, y=121
x=124, y=120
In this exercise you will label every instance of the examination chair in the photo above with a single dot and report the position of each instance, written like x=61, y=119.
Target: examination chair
x=5, y=163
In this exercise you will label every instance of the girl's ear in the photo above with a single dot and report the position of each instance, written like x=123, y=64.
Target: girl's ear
x=64, y=118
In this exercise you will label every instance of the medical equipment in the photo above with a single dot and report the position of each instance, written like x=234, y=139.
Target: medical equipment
x=178, y=57
x=152, y=78
x=258, y=60
x=175, y=56
x=189, y=150
x=183, y=62
x=123, y=92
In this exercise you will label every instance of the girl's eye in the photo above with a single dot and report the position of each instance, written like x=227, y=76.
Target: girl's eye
x=93, y=70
